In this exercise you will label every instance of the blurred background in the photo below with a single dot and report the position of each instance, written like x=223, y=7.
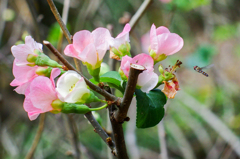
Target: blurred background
x=202, y=121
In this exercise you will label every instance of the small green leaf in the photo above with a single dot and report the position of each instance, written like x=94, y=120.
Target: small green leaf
x=113, y=79
x=150, y=109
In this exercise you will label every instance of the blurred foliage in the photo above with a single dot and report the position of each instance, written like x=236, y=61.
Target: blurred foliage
x=210, y=29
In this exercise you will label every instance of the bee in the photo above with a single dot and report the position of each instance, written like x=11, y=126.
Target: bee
x=200, y=69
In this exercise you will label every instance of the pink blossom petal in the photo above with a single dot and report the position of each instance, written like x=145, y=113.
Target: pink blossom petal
x=21, y=89
x=169, y=43
x=82, y=39
x=33, y=112
x=125, y=31
x=29, y=41
x=21, y=52
x=55, y=72
x=147, y=80
x=101, y=40
x=144, y=60
x=161, y=30
x=89, y=55
x=70, y=51
x=153, y=38
x=23, y=73
x=42, y=91
x=125, y=64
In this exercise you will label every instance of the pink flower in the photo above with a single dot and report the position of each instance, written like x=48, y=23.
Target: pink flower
x=89, y=47
x=21, y=51
x=163, y=43
x=23, y=76
x=165, y=1
x=122, y=37
x=120, y=45
x=40, y=95
x=146, y=80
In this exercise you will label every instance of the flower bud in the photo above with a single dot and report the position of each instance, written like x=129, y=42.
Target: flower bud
x=31, y=58
x=44, y=60
x=160, y=69
x=57, y=104
x=75, y=108
x=43, y=71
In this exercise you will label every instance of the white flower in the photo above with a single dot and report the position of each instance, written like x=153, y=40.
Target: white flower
x=72, y=88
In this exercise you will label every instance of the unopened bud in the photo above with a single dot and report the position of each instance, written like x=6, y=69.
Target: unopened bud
x=57, y=104
x=160, y=69
x=31, y=58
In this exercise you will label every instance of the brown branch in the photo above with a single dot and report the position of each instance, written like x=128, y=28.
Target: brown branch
x=117, y=131
x=37, y=137
x=121, y=114
x=98, y=129
x=139, y=13
x=70, y=67
x=59, y=20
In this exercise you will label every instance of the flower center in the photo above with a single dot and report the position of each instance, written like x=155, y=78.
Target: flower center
x=70, y=90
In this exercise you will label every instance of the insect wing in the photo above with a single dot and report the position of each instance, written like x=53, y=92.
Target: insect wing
x=208, y=66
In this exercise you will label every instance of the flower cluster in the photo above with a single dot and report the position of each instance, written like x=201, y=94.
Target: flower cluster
x=35, y=72
x=34, y=76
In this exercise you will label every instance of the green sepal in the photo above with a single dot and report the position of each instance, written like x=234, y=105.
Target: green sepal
x=44, y=60
x=41, y=71
x=161, y=57
x=93, y=72
x=75, y=108
x=92, y=98
x=125, y=49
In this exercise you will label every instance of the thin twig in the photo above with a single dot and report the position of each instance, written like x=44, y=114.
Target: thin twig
x=74, y=136
x=70, y=67
x=63, y=27
x=139, y=13
x=98, y=129
x=121, y=114
x=37, y=137
x=117, y=131
x=59, y=20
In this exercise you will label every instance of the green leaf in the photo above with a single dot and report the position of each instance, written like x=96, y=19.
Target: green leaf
x=150, y=109
x=113, y=79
